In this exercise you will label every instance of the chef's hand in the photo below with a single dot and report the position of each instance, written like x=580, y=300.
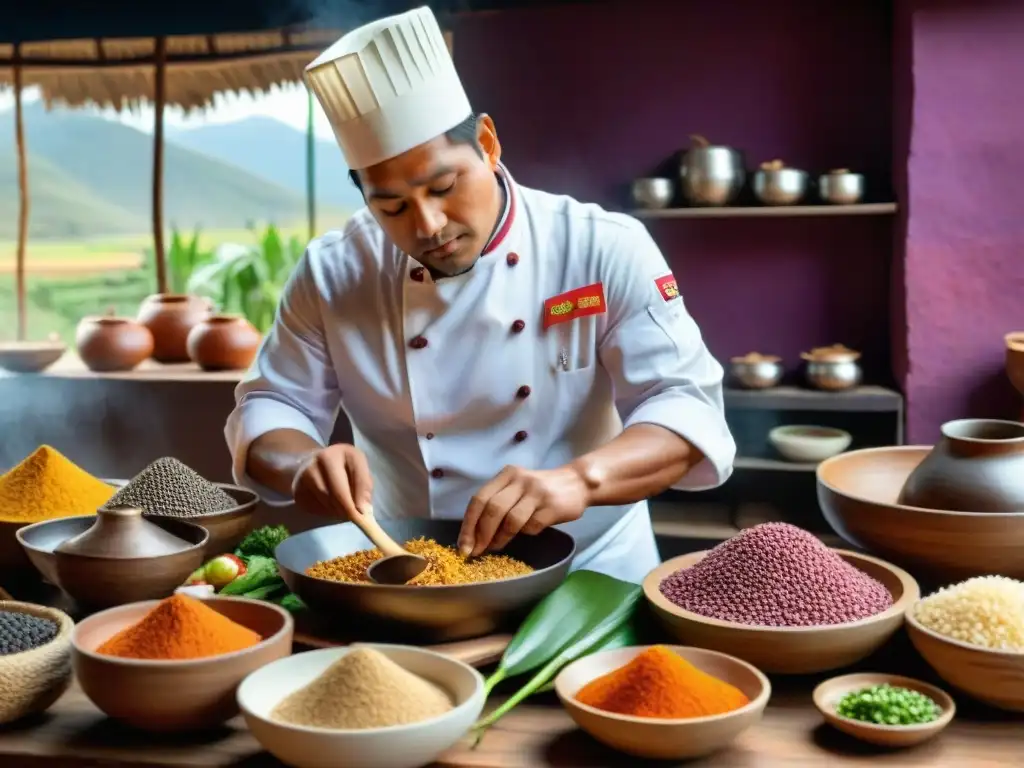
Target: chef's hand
x=521, y=501
x=335, y=482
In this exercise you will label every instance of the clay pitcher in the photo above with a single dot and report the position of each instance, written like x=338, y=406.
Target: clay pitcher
x=977, y=466
x=169, y=318
x=109, y=343
x=223, y=343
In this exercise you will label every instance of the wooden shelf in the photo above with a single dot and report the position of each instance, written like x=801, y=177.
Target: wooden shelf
x=772, y=465
x=859, y=399
x=778, y=211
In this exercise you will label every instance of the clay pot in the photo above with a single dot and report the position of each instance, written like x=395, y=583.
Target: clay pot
x=833, y=368
x=977, y=466
x=1015, y=360
x=223, y=343
x=110, y=343
x=169, y=318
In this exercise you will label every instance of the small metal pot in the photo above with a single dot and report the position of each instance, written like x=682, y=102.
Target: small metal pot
x=711, y=175
x=780, y=186
x=756, y=371
x=840, y=187
x=832, y=368
x=653, y=192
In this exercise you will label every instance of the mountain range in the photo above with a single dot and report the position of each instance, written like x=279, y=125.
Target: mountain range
x=90, y=176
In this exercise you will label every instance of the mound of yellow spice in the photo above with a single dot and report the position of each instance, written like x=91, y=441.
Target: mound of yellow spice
x=662, y=684
x=47, y=485
x=180, y=627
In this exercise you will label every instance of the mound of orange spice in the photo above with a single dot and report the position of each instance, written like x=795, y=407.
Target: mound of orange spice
x=180, y=627
x=659, y=683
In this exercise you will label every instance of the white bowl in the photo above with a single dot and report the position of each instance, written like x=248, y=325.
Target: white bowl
x=400, y=746
x=807, y=443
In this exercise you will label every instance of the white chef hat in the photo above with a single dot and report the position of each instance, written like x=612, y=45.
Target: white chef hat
x=388, y=86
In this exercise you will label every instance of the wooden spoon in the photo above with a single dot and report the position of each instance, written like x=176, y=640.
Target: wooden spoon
x=397, y=566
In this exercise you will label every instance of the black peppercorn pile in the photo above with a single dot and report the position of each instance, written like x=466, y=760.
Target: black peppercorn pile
x=168, y=487
x=23, y=632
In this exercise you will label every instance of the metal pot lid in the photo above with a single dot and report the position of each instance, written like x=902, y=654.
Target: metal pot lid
x=837, y=353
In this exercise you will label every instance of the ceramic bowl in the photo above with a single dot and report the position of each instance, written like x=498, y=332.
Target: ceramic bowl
x=809, y=444
x=659, y=739
x=30, y=356
x=993, y=677
x=31, y=681
x=102, y=582
x=788, y=650
x=157, y=695
x=828, y=694
x=857, y=491
x=228, y=527
x=1015, y=359
x=400, y=746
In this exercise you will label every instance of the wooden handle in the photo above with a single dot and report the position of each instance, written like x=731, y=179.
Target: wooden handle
x=368, y=524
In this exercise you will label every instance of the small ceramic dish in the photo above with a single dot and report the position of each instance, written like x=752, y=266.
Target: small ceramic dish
x=655, y=738
x=172, y=695
x=809, y=444
x=30, y=356
x=828, y=694
x=400, y=746
x=31, y=681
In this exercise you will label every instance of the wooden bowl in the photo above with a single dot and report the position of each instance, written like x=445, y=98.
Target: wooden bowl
x=828, y=694
x=31, y=681
x=400, y=746
x=156, y=695
x=30, y=356
x=993, y=677
x=788, y=650
x=655, y=738
x=857, y=492
x=103, y=582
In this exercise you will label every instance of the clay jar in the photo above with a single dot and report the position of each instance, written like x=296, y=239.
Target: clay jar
x=169, y=318
x=223, y=343
x=977, y=466
x=110, y=343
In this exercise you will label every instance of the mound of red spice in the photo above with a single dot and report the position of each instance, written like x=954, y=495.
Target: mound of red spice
x=776, y=575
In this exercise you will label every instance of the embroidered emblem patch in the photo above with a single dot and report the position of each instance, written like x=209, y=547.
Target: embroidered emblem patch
x=667, y=287
x=580, y=302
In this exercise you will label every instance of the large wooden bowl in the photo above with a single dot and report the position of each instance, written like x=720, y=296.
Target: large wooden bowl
x=787, y=650
x=857, y=492
x=993, y=677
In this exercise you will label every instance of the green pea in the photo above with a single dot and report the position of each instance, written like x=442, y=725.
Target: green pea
x=888, y=705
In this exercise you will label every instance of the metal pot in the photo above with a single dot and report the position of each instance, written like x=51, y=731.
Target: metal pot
x=653, y=192
x=832, y=368
x=756, y=371
x=840, y=187
x=777, y=185
x=711, y=175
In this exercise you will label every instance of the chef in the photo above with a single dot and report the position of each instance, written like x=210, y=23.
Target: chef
x=507, y=357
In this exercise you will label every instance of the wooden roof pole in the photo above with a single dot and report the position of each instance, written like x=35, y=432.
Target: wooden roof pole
x=23, y=202
x=159, y=98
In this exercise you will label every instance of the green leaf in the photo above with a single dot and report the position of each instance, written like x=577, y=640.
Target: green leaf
x=623, y=637
x=560, y=619
x=260, y=571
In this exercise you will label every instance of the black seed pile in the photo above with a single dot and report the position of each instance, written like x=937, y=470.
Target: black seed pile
x=23, y=632
x=168, y=487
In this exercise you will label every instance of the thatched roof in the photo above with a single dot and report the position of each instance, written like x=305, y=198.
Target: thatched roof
x=120, y=72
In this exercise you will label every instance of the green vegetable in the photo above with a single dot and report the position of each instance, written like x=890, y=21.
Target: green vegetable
x=888, y=705
x=262, y=593
x=261, y=572
x=560, y=619
x=608, y=606
x=291, y=602
x=263, y=541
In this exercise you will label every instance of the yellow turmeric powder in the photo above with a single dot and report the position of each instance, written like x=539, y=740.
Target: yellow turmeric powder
x=662, y=684
x=180, y=627
x=47, y=485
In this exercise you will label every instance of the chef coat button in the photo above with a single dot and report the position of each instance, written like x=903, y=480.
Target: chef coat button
x=437, y=474
x=417, y=274
x=518, y=326
x=430, y=435
x=512, y=259
x=521, y=435
x=523, y=392
x=418, y=342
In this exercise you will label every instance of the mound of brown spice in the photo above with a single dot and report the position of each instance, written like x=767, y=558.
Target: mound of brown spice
x=363, y=689
x=445, y=566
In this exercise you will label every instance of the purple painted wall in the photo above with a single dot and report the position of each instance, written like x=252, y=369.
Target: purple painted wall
x=585, y=99
x=965, y=231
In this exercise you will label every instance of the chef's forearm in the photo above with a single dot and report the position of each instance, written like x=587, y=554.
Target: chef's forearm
x=643, y=461
x=274, y=457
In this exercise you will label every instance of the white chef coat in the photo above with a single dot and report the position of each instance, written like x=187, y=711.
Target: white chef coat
x=446, y=382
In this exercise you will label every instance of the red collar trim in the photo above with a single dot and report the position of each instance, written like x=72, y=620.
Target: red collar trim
x=506, y=225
